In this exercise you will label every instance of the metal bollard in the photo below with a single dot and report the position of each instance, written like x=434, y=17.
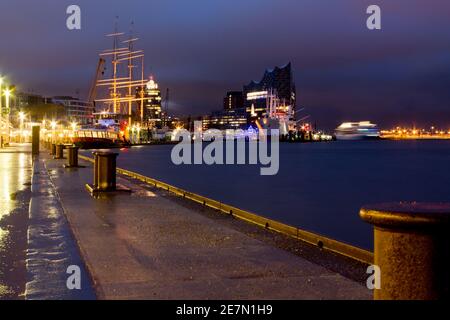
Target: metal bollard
x=72, y=157
x=35, y=139
x=411, y=249
x=53, y=149
x=59, y=151
x=95, y=184
x=105, y=171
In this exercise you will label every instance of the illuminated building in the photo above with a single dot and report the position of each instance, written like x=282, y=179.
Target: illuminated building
x=226, y=119
x=233, y=100
x=242, y=108
x=152, y=103
x=279, y=80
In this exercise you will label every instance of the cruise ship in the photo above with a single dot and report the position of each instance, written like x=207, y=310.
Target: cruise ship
x=357, y=131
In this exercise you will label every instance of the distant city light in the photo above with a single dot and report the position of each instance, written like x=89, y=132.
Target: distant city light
x=7, y=93
x=257, y=95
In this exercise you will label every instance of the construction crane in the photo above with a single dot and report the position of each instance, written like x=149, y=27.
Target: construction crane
x=100, y=71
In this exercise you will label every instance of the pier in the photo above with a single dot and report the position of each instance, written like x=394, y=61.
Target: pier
x=151, y=244
x=135, y=237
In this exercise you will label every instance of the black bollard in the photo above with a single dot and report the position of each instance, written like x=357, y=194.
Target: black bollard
x=72, y=157
x=106, y=171
x=35, y=140
x=105, y=165
x=59, y=154
x=53, y=149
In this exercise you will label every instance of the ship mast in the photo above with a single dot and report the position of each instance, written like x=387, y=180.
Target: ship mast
x=142, y=92
x=118, y=83
x=115, y=62
x=130, y=42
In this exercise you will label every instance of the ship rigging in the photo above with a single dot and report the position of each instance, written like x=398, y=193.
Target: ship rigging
x=119, y=99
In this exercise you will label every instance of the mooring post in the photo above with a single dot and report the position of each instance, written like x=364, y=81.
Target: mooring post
x=95, y=184
x=72, y=156
x=105, y=171
x=53, y=149
x=36, y=131
x=59, y=151
x=411, y=249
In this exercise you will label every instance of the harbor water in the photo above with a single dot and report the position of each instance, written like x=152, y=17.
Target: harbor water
x=320, y=187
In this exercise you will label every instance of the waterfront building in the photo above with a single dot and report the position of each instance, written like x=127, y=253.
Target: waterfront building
x=279, y=81
x=226, y=119
x=274, y=96
x=76, y=110
x=233, y=100
x=152, y=103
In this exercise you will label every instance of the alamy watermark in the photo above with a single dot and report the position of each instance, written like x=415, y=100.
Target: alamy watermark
x=73, y=281
x=374, y=20
x=235, y=141
x=374, y=280
x=73, y=21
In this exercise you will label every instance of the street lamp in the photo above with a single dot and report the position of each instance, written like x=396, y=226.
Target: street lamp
x=1, y=101
x=7, y=94
x=53, y=126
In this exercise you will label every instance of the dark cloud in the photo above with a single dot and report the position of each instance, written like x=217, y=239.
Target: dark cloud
x=202, y=48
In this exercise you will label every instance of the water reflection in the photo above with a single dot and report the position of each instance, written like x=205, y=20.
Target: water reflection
x=15, y=174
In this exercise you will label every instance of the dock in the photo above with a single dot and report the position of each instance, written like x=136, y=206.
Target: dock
x=150, y=244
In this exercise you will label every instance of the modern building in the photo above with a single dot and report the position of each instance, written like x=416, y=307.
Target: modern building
x=226, y=119
x=279, y=81
x=233, y=100
x=243, y=108
x=77, y=111
x=152, y=103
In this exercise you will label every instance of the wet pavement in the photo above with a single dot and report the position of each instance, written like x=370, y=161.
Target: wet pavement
x=15, y=178
x=36, y=243
x=144, y=245
x=52, y=252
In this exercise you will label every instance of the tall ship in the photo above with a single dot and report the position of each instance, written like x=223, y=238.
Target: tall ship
x=357, y=131
x=118, y=88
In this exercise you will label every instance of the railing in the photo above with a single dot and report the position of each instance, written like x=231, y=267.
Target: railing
x=100, y=134
x=66, y=136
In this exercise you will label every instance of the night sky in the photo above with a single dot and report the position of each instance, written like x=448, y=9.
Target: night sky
x=202, y=48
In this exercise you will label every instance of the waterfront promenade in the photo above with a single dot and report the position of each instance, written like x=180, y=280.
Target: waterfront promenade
x=148, y=245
